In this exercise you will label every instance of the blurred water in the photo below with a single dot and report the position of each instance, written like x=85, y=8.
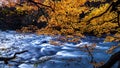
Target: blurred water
x=42, y=54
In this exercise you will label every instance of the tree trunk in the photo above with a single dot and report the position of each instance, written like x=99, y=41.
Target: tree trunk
x=113, y=59
x=119, y=19
x=119, y=64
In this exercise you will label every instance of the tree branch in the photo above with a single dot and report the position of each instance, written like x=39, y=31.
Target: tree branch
x=100, y=14
x=92, y=57
x=37, y=4
x=114, y=6
x=6, y=59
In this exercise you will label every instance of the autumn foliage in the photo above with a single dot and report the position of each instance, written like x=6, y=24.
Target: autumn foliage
x=70, y=17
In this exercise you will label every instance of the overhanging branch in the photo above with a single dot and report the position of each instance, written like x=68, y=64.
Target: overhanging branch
x=99, y=14
x=37, y=4
x=6, y=59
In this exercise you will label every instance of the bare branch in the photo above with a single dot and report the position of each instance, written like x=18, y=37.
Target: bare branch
x=6, y=59
x=92, y=57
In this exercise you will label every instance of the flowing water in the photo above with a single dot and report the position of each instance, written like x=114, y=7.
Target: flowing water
x=42, y=54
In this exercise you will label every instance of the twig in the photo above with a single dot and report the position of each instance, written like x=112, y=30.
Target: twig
x=92, y=57
x=6, y=59
x=37, y=4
